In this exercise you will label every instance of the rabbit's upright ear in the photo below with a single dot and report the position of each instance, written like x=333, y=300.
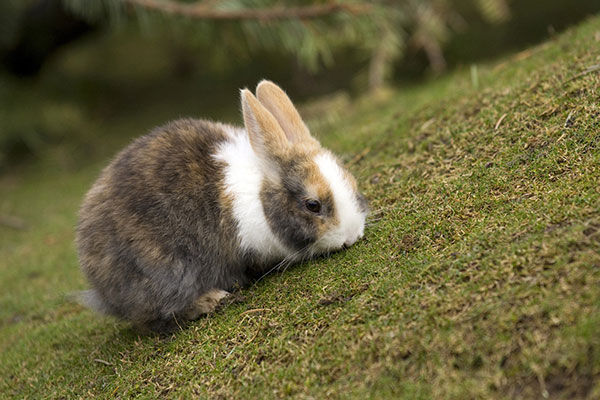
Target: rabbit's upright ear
x=279, y=104
x=266, y=136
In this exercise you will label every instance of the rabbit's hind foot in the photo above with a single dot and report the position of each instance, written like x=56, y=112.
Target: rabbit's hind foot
x=206, y=303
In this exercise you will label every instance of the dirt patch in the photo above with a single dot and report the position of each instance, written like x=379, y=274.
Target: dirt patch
x=341, y=297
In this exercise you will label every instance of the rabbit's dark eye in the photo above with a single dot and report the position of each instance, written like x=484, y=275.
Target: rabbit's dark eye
x=313, y=205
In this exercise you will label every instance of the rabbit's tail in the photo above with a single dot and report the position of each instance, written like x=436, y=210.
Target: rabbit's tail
x=92, y=299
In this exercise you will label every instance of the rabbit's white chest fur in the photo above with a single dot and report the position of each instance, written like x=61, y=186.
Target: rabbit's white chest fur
x=243, y=179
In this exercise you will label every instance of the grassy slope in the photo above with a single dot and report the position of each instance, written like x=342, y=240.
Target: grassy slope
x=479, y=276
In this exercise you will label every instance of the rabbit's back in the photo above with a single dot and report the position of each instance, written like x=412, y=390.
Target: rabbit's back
x=153, y=232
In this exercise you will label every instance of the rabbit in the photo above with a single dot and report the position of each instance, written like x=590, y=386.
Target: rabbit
x=195, y=209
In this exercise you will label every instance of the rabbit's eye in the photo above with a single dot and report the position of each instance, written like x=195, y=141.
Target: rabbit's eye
x=313, y=205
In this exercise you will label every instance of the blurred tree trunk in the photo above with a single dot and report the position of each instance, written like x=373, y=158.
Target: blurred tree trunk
x=382, y=58
x=435, y=55
x=377, y=68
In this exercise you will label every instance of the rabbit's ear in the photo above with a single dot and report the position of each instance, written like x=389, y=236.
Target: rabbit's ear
x=279, y=104
x=266, y=136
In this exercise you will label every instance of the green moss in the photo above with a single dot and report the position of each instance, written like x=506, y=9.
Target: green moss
x=479, y=276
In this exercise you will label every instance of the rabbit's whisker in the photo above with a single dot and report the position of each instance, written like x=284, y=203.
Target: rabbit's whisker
x=286, y=262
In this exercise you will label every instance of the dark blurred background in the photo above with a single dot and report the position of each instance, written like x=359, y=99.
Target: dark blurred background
x=80, y=77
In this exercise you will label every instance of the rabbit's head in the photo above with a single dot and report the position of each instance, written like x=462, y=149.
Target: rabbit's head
x=311, y=203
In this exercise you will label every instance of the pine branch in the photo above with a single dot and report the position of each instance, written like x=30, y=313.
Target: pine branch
x=201, y=11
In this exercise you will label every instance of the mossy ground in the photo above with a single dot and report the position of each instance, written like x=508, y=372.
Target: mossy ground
x=479, y=275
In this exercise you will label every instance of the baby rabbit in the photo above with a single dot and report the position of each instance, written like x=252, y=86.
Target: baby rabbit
x=196, y=208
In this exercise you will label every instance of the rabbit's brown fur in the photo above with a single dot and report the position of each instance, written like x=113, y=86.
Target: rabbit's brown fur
x=143, y=223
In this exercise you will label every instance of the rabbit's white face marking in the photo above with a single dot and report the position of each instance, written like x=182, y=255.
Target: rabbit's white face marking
x=351, y=217
x=243, y=179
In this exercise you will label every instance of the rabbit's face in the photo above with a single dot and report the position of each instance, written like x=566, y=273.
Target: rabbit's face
x=349, y=206
x=315, y=206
